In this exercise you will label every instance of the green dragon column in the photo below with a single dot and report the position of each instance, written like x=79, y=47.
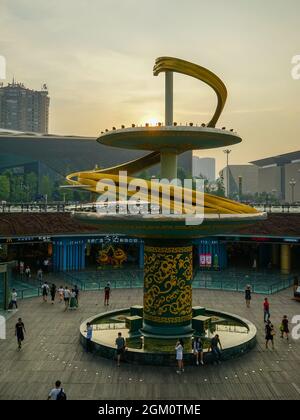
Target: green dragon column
x=168, y=271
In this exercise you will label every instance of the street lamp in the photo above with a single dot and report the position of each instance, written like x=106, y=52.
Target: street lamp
x=25, y=187
x=240, y=178
x=227, y=151
x=292, y=184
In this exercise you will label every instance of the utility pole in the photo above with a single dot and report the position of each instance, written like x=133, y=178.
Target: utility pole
x=240, y=187
x=168, y=159
x=292, y=184
x=227, y=151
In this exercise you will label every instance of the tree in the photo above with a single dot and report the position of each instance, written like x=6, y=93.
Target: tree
x=46, y=186
x=181, y=174
x=18, y=189
x=31, y=182
x=220, y=191
x=144, y=175
x=4, y=187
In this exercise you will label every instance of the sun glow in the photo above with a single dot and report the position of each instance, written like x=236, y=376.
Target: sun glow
x=151, y=120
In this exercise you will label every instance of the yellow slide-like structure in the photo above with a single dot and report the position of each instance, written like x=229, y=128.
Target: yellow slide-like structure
x=163, y=64
x=95, y=181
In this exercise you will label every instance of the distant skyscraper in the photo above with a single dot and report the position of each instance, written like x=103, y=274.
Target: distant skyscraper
x=243, y=179
x=23, y=109
x=204, y=167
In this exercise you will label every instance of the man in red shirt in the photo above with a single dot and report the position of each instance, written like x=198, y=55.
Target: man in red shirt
x=266, y=310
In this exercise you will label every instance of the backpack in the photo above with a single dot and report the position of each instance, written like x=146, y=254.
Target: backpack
x=61, y=395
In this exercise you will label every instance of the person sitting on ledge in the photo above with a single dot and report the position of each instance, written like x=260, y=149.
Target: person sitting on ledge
x=216, y=351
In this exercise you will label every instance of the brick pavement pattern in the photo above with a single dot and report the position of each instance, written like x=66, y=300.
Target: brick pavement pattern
x=52, y=351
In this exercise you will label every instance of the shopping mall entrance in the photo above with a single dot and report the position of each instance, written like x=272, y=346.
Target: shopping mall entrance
x=32, y=254
x=283, y=256
x=243, y=255
x=262, y=253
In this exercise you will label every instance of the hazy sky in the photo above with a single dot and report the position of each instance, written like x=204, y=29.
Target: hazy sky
x=96, y=57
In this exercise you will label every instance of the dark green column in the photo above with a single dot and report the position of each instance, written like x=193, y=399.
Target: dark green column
x=168, y=270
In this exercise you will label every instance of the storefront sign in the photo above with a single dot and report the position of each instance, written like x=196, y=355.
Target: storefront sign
x=205, y=260
x=208, y=242
x=113, y=239
x=202, y=260
x=208, y=260
x=26, y=239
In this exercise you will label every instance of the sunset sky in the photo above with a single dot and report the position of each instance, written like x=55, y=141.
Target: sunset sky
x=96, y=56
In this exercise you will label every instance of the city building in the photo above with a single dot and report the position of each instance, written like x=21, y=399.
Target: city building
x=204, y=167
x=273, y=244
x=24, y=109
x=280, y=175
x=243, y=180
x=56, y=156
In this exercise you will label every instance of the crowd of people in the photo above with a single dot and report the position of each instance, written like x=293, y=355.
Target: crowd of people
x=70, y=297
x=42, y=267
x=270, y=331
x=215, y=346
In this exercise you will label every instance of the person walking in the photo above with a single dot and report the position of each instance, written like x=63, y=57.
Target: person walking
x=14, y=297
x=19, y=332
x=89, y=334
x=39, y=275
x=53, y=292
x=73, y=301
x=27, y=272
x=285, y=327
x=45, y=291
x=120, y=343
x=46, y=265
x=57, y=393
x=270, y=333
x=21, y=267
x=248, y=295
x=106, y=294
x=61, y=294
x=266, y=310
x=216, y=347
x=198, y=350
x=67, y=295
x=179, y=355
x=76, y=290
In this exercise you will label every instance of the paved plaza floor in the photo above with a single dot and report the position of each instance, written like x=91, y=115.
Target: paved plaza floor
x=52, y=351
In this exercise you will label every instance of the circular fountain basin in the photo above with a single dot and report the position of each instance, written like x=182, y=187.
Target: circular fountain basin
x=237, y=336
